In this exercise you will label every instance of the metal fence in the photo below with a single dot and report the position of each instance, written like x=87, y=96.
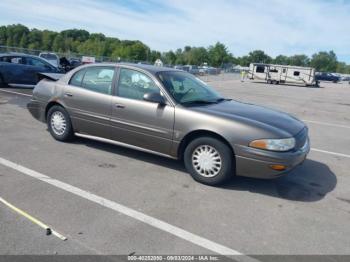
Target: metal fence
x=68, y=55
x=222, y=74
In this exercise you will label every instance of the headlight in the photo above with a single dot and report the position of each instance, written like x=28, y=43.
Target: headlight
x=274, y=144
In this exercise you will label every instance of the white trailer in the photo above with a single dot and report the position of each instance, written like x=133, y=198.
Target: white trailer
x=279, y=74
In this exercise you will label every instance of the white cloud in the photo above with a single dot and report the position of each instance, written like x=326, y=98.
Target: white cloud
x=275, y=26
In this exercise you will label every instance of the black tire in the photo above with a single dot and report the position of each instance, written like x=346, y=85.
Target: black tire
x=67, y=132
x=269, y=81
x=224, y=173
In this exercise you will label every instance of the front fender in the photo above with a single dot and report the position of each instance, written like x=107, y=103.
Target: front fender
x=235, y=132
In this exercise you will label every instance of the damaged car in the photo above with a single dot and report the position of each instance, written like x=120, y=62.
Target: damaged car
x=173, y=114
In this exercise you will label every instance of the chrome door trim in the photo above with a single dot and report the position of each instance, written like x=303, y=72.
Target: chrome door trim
x=105, y=140
x=21, y=85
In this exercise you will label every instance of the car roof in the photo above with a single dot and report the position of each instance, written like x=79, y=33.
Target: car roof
x=18, y=54
x=149, y=68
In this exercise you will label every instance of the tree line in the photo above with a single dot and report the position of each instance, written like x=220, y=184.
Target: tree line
x=95, y=44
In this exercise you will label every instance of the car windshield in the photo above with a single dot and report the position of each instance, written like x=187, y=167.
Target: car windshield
x=187, y=89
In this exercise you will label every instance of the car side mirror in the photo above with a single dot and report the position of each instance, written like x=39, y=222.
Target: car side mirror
x=154, y=97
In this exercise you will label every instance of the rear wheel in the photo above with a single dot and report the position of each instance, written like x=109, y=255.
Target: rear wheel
x=209, y=161
x=59, y=124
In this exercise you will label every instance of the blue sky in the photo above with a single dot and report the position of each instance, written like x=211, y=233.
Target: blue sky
x=275, y=26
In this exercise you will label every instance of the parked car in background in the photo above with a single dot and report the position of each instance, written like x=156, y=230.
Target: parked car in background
x=193, y=69
x=345, y=78
x=208, y=70
x=186, y=68
x=327, y=77
x=211, y=70
x=52, y=58
x=178, y=67
x=22, y=70
x=69, y=64
x=75, y=62
x=171, y=113
x=201, y=70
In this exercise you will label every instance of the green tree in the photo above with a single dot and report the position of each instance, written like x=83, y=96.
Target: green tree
x=97, y=44
x=281, y=60
x=169, y=57
x=343, y=68
x=3, y=35
x=259, y=56
x=58, y=43
x=244, y=60
x=48, y=38
x=199, y=55
x=299, y=60
x=324, y=61
x=179, y=57
x=154, y=55
x=35, y=39
x=218, y=54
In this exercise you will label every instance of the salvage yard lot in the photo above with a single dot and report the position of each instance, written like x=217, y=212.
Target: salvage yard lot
x=305, y=212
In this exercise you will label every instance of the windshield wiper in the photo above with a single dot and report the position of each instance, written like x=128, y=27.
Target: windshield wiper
x=221, y=99
x=206, y=102
x=199, y=102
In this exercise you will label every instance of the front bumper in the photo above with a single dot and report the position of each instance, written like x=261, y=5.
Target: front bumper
x=37, y=110
x=252, y=162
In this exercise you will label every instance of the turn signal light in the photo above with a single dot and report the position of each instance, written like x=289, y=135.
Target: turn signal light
x=278, y=167
x=259, y=144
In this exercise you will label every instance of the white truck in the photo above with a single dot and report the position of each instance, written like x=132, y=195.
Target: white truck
x=279, y=74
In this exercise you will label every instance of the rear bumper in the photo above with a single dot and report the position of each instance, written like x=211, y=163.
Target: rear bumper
x=37, y=110
x=251, y=162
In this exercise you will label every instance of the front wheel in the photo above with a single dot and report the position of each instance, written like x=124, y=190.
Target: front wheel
x=59, y=124
x=209, y=161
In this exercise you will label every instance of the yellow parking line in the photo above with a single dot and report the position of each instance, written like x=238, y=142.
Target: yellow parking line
x=49, y=231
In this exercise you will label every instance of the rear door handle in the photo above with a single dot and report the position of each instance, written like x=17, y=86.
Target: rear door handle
x=68, y=94
x=119, y=106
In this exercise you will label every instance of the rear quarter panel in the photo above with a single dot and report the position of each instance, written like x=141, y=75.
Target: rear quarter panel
x=47, y=91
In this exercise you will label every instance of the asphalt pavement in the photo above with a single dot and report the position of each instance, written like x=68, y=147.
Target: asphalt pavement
x=306, y=212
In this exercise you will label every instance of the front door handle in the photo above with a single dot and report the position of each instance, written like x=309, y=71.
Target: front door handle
x=68, y=94
x=119, y=106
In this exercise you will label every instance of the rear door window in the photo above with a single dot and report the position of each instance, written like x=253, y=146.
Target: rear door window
x=99, y=79
x=12, y=59
x=77, y=78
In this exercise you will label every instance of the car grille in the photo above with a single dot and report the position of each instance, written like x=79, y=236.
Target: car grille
x=301, y=138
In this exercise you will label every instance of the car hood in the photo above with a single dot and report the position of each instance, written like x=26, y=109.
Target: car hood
x=237, y=110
